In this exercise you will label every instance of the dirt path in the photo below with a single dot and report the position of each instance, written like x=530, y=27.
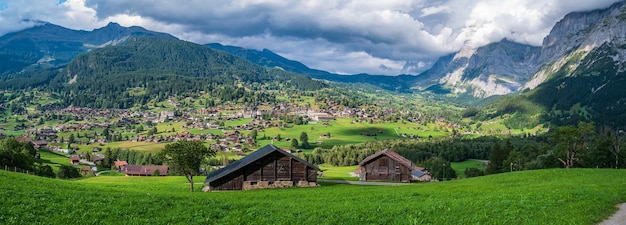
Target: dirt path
x=619, y=218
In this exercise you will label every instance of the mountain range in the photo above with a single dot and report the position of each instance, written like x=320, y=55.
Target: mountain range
x=577, y=71
x=47, y=45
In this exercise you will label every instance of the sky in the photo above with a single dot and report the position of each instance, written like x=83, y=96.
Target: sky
x=386, y=37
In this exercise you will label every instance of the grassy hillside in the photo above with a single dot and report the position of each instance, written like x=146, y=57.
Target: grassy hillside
x=577, y=196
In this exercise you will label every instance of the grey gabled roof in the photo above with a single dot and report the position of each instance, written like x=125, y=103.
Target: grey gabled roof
x=417, y=173
x=391, y=154
x=254, y=156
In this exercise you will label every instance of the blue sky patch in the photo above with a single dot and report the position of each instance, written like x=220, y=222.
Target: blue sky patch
x=3, y=5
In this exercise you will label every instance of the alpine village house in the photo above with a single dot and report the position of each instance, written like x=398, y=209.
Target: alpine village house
x=387, y=165
x=268, y=167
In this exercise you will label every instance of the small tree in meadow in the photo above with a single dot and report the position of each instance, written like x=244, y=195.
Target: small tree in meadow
x=185, y=157
x=294, y=143
x=68, y=172
x=304, y=140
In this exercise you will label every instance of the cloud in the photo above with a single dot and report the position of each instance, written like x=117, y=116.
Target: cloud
x=344, y=36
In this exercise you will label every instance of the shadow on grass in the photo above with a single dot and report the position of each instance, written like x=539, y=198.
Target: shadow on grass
x=374, y=131
x=328, y=184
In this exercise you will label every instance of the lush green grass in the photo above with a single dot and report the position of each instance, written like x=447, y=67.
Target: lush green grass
x=138, y=146
x=558, y=196
x=53, y=159
x=343, y=131
x=338, y=172
x=459, y=167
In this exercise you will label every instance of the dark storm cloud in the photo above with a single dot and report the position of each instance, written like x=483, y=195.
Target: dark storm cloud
x=344, y=36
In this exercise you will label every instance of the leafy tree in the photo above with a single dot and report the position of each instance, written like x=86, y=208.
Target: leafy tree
x=571, y=141
x=440, y=169
x=617, y=143
x=515, y=161
x=70, y=141
x=473, y=172
x=254, y=134
x=108, y=158
x=68, y=172
x=185, y=157
x=45, y=170
x=496, y=157
x=294, y=143
x=16, y=154
x=156, y=173
x=304, y=140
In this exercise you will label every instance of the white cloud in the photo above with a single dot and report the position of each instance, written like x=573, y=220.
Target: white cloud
x=343, y=36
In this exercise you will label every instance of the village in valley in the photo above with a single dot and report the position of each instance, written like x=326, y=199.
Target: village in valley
x=126, y=141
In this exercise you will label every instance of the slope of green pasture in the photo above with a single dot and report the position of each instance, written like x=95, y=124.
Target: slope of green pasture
x=53, y=159
x=343, y=131
x=556, y=196
x=459, y=167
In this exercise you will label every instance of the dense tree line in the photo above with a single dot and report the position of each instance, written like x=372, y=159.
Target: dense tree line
x=416, y=150
x=132, y=157
x=566, y=147
x=22, y=155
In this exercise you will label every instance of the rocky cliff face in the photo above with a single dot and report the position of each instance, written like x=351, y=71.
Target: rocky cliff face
x=576, y=35
x=496, y=69
x=506, y=67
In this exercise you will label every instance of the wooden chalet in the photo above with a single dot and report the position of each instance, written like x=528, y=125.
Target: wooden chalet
x=74, y=160
x=268, y=167
x=85, y=170
x=39, y=144
x=141, y=170
x=388, y=165
x=119, y=165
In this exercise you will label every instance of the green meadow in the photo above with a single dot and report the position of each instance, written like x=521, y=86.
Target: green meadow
x=54, y=159
x=459, y=167
x=556, y=196
x=344, y=131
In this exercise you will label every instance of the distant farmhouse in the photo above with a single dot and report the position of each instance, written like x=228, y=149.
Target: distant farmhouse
x=39, y=144
x=166, y=116
x=388, y=165
x=141, y=170
x=74, y=159
x=317, y=116
x=268, y=167
x=120, y=164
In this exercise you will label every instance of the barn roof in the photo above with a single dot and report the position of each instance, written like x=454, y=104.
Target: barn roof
x=121, y=163
x=391, y=154
x=254, y=156
x=418, y=173
x=145, y=170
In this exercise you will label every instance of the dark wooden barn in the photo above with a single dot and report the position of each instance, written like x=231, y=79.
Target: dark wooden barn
x=141, y=170
x=388, y=165
x=268, y=167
